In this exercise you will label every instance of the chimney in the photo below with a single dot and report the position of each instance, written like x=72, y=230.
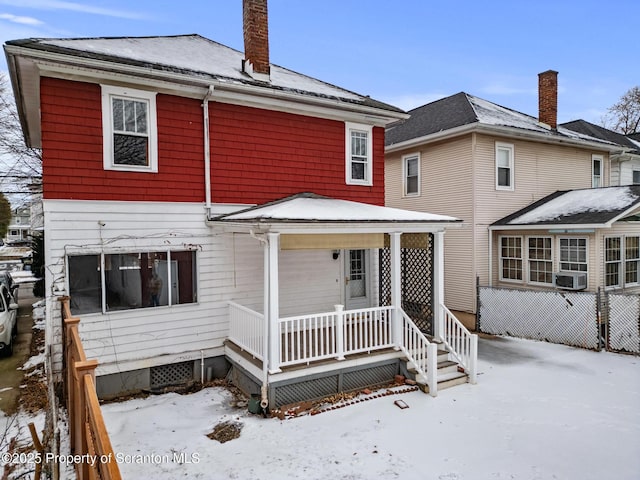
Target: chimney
x=256, y=39
x=548, y=98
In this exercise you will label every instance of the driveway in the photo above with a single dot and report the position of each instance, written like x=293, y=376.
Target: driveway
x=10, y=375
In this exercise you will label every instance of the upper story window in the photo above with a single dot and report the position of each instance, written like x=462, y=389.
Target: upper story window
x=411, y=174
x=596, y=171
x=359, y=154
x=504, y=166
x=129, y=129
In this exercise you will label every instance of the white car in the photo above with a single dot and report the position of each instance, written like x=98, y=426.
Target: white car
x=8, y=320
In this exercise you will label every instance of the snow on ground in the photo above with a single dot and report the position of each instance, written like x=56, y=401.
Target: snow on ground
x=539, y=411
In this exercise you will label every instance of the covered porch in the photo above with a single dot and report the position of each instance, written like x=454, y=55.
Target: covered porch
x=274, y=348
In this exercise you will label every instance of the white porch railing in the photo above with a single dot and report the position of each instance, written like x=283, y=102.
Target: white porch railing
x=246, y=329
x=307, y=338
x=420, y=351
x=461, y=344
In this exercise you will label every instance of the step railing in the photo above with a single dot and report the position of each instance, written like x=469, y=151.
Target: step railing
x=246, y=329
x=422, y=353
x=460, y=343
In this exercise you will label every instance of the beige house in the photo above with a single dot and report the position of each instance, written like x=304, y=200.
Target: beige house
x=469, y=158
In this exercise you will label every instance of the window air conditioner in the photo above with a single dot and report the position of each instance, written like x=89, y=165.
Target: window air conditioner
x=570, y=280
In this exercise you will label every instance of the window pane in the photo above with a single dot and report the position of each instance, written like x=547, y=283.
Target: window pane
x=504, y=177
x=503, y=158
x=358, y=171
x=183, y=278
x=130, y=150
x=129, y=116
x=118, y=114
x=636, y=177
x=412, y=167
x=136, y=280
x=596, y=168
x=141, y=117
x=359, y=143
x=85, y=290
x=412, y=185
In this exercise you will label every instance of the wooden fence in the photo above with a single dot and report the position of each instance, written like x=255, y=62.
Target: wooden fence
x=87, y=430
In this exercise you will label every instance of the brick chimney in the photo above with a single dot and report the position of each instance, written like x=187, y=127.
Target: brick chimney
x=256, y=39
x=548, y=98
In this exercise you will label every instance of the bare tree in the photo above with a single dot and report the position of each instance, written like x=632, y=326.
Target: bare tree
x=624, y=116
x=20, y=165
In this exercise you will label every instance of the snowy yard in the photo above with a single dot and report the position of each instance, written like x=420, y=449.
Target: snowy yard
x=539, y=411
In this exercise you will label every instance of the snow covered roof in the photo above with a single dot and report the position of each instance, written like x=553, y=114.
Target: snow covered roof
x=309, y=208
x=596, y=207
x=462, y=109
x=195, y=56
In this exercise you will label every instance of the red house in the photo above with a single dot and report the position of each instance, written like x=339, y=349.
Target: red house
x=176, y=219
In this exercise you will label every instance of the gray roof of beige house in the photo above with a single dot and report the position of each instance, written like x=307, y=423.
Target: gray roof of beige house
x=463, y=112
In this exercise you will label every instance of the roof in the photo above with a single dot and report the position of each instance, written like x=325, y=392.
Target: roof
x=190, y=65
x=192, y=55
x=596, y=207
x=463, y=109
x=309, y=208
x=587, y=128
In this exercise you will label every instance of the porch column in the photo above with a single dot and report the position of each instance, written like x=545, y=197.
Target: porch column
x=274, y=311
x=438, y=285
x=396, y=292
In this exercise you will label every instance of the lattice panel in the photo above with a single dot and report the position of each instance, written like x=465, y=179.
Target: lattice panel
x=557, y=317
x=368, y=377
x=306, y=390
x=624, y=323
x=172, y=374
x=416, y=267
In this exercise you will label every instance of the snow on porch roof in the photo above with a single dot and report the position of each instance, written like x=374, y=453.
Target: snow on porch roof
x=312, y=208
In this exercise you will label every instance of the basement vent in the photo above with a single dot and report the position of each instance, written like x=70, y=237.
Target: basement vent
x=171, y=375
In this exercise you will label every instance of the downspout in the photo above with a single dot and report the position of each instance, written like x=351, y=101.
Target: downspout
x=264, y=398
x=207, y=152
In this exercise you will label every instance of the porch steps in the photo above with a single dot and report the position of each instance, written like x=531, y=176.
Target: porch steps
x=449, y=374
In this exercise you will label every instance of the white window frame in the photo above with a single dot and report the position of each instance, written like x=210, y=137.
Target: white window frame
x=586, y=262
x=368, y=171
x=620, y=261
x=405, y=174
x=521, y=258
x=529, y=260
x=626, y=260
x=596, y=180
x=108, y=93
x=509, y=147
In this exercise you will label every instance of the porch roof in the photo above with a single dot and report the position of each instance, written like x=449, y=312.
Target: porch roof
x=586, y=208
x=311, y=213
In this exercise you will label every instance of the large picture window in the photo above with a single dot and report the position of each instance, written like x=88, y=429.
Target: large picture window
x=129, y=129
x=131, y=280
x=359, y=154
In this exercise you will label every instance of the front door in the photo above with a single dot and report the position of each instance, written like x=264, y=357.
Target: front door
x=357, y=281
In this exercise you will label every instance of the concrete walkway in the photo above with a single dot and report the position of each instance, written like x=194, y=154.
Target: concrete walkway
x=10, y=373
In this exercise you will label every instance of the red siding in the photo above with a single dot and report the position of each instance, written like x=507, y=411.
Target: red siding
x=262, y=155
x=72, y=149
x=256, y=155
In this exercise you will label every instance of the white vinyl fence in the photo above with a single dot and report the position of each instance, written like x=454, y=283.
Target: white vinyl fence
x=559, y=317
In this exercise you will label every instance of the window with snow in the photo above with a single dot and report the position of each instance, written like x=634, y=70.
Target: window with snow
x=129, y=129
x=411, y=169
x=504, y=166
x=359, y=154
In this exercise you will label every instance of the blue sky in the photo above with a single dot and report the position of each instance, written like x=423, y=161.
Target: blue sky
x=406, y=53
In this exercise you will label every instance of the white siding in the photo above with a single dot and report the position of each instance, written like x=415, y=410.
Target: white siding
x=229, y=267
